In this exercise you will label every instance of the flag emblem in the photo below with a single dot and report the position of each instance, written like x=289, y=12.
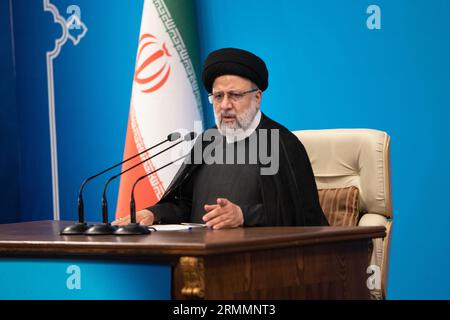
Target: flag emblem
x=152, y=66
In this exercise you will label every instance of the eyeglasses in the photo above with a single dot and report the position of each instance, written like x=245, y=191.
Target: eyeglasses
x=235, y=96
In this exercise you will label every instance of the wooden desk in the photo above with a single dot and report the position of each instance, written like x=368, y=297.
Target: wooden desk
x=243, y=263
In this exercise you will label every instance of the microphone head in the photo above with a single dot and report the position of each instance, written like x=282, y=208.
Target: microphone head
x=190, y=136
x=174, y=136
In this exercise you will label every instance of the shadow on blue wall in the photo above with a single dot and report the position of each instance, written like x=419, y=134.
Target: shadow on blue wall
x=9, y=126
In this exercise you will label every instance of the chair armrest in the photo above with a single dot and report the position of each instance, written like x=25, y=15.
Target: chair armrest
x=372, y=219
x=380, y=254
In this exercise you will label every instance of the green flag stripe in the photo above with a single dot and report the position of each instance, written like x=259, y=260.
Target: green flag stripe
x=186, y=31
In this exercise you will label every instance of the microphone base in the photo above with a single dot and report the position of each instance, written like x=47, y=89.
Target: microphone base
x=132, y=229
x=100, y=229
x=79, y=228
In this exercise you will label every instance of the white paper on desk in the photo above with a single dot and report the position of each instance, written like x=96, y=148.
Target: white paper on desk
x=194, y=225
x=170, y=227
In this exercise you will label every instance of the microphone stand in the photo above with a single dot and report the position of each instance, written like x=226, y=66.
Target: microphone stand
x=135, y=228
x=105, y=227
x=82, y=226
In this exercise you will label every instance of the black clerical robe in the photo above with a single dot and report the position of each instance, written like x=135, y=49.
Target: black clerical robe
x=287, y=198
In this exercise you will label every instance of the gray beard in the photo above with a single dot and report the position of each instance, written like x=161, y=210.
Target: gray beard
x=241, y=123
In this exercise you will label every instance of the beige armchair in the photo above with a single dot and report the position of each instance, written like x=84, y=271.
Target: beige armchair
x=357, y=157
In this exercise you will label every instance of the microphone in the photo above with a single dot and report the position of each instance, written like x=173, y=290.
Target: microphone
x=105, y=227
x=81, y=226
x=134, y=228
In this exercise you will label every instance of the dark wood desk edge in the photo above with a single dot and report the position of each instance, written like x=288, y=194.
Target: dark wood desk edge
x=61, y=248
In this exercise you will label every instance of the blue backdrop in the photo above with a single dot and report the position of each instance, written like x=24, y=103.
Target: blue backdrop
x=327, y=70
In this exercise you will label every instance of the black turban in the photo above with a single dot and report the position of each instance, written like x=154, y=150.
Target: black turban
x=235, y=62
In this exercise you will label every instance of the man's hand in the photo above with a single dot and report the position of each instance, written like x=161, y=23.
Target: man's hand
x=224, y=214
x=144, y=217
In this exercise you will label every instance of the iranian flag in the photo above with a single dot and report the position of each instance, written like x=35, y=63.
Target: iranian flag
x=165, y=98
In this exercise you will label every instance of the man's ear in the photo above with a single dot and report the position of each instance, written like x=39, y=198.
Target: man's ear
x=258, y=97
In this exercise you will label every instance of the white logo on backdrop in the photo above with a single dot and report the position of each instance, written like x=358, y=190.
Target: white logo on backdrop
x=73, y=22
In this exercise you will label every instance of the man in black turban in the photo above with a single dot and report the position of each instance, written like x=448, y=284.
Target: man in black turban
x=240, y=192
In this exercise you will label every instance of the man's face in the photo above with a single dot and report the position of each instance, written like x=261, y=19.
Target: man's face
x=234, y=110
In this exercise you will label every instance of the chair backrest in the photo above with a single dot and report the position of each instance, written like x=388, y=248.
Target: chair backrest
x=352, y=157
